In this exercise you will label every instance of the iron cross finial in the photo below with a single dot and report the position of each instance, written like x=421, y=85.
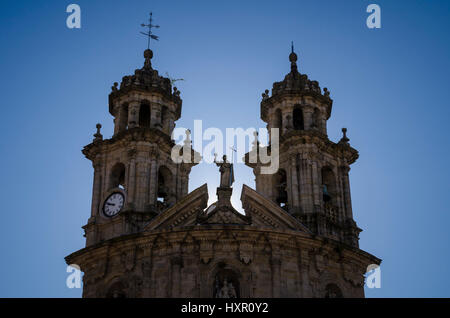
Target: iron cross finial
x=150, y=35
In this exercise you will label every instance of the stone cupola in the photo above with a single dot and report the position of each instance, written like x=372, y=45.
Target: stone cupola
x=145, y=99
x=312, y=182
x=297, y=103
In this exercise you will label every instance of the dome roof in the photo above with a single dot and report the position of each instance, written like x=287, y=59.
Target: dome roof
x=146, y=79
x=294, y=83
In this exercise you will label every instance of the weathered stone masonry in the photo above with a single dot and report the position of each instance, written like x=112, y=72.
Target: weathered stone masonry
x=297, y=237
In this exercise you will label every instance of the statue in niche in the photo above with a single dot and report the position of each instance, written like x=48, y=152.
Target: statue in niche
x=227, y=290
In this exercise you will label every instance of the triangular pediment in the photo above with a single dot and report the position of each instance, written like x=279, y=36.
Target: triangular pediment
x=266, y=213
x=183, y=213
x=223, y=215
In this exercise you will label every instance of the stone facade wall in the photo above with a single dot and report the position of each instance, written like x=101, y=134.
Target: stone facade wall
x=185, y=263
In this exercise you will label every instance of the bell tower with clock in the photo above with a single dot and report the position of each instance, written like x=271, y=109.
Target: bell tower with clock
x=147, y=236
x=135, y=177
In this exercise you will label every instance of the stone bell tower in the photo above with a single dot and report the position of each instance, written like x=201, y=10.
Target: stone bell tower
x=312, y=182
x=135, y=177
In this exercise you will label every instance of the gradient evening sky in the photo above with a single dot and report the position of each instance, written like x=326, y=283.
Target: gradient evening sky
x=390, y=88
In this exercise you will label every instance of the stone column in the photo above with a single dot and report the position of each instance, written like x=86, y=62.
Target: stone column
x=304, y=266
x=309, y=186
x=302, y=189
x=286, y=122
x=340, y=192
x=176, y=263
x=153, y=181
x=287, y=169
x=347, y=197
x=131, y=182
x=146, y=267
x=184, y=185
x=155, y=115
x=307, y=117
x=133, y=114
x=323, y=125
x=171, y=122
x=142, y=184
x=316, y=183
x=122, y=118
x=294, y=183
x=105, y=178
x=96, y=188
x=305, y=186
x=275, y=263
x=116, y=124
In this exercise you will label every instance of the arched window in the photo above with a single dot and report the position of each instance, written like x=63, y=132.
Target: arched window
x=278, y=120
x=280, y=188
x=333, y=291
x=328, y=185
x=226, y=284
x=144, y=115
x=117, y=177
x=165, y=187
x=297, y=117
x=123, y=117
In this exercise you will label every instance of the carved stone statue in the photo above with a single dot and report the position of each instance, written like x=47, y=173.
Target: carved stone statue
x=231, y=290
x=227, y=290
x=223, y=292
x=226, y=172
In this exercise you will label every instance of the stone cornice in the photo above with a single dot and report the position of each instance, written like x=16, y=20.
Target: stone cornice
x=151, y=135
x=288, y=239
x=274, y=100
x=125, y=91
x=305, y=137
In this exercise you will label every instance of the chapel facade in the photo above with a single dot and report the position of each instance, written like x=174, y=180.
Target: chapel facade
x=148, y=236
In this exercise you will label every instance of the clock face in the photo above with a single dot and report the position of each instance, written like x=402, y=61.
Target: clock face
x=113, y=204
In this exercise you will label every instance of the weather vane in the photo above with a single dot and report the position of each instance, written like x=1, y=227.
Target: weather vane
x=150, y=35
x=173, y=80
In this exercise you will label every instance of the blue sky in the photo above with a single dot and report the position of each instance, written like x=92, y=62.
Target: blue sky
x=390, y=88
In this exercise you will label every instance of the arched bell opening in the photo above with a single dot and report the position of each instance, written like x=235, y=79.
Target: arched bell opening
x=117, y=176
x=165, y=187
x=280, y=181
x=144, y=115
x=297, y=118
x=328, y=185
